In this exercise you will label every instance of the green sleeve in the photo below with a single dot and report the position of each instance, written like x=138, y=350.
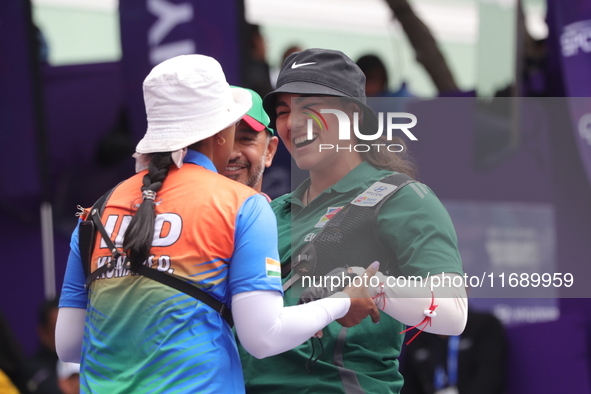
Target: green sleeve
x=416, y=228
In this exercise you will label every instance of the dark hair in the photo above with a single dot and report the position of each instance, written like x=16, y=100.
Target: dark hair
x=289, y=51
x=137, y=241
x=400, y=162
x=379, y=156
x=372, y=66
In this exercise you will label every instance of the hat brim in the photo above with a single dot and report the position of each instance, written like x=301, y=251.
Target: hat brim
x=240, y=106
x=253, y=123
x=370, y=118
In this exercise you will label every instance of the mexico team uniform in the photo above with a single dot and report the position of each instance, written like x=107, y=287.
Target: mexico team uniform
x=416, y=231
x=144, y=337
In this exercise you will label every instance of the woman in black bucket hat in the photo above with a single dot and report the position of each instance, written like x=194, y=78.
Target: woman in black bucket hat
x=359, y=180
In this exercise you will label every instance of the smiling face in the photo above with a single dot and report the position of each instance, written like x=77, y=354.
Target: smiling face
x=253, y=151
x=293, y=112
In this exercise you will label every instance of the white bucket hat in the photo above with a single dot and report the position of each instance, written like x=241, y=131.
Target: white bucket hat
x=188, y=100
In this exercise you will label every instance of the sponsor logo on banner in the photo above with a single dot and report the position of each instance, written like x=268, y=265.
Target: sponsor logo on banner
x=576, y=38
x=168, y=16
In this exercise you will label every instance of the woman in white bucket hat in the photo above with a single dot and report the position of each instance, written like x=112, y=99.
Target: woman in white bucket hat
x=180, y=218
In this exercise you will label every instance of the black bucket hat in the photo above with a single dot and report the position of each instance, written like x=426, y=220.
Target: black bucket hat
x=322, y=72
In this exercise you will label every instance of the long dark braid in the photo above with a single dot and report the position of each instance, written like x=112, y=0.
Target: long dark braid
x=137, y=241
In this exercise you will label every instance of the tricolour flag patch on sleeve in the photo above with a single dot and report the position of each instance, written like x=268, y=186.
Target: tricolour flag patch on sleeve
x=273, y=267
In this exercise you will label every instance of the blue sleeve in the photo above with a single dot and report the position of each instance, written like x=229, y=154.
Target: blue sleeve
x=255, y=262
x=74, y=295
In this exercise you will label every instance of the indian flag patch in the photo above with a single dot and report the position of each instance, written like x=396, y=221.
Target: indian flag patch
x=273, y=267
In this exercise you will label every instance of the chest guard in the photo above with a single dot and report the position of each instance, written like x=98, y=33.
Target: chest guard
x=351, y=238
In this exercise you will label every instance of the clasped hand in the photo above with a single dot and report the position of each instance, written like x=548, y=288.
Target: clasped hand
x=361, y=302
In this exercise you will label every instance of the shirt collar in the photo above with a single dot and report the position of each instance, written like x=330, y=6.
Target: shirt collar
x=200, y=159
x=297, y=196
x=357, y=178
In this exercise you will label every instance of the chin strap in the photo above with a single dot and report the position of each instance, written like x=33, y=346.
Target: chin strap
x=429, y=314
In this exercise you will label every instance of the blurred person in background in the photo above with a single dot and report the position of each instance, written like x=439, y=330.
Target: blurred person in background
x=275, y=70
x=474, y=362
x=256, y=70
x=255, y=145
x=41, y=375
x=11, y=361
x=376, y=78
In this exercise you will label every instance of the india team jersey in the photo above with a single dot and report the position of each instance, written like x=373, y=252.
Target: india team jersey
x=145, y=337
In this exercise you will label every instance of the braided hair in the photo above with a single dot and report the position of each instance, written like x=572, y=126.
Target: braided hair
x=137, y=241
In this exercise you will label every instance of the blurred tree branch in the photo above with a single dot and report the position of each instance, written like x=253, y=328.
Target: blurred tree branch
x=425, y=46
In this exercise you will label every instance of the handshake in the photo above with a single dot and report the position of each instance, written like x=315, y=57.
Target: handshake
x=344, y=280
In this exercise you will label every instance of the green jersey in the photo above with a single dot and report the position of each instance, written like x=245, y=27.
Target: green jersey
x=415, y=227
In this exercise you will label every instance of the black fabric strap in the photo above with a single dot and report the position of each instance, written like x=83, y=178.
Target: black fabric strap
x=86, y=237
x=188, y=288
x=87, y=233
x=95, y=216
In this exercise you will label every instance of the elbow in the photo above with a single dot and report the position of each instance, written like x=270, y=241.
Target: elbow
x=458, y=314
x=69, y=332
x=67, y=354
x=456, y=328
x=258, y=348
x=451, y=326
x=452, y=316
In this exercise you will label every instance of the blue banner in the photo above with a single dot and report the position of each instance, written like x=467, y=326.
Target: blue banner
x=155, y=30
x=570, y=20
x=19, y=157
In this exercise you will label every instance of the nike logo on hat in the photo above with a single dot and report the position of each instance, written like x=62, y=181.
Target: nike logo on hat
x=294, y=65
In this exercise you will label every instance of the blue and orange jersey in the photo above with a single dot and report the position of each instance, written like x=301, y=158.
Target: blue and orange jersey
x=144, y=337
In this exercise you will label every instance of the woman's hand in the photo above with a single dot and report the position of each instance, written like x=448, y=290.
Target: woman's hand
x=361, y=302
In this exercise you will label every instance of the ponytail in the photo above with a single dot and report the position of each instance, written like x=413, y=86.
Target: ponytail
x=137, y=241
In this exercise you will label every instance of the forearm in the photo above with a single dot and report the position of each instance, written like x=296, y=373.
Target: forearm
x=69, y=332
x=265, y=328
x=407, y=303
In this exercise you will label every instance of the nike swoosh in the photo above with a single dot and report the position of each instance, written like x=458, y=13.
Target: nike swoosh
x=294, y=65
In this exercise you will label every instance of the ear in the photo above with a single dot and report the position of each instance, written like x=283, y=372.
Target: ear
x=271, y=150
